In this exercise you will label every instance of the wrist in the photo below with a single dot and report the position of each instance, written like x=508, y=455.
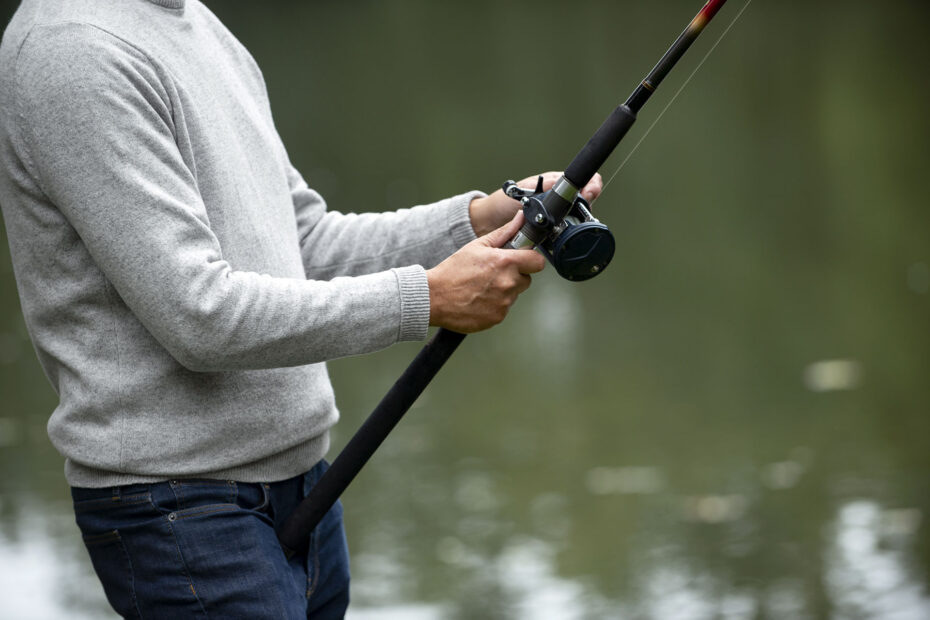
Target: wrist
x=478, y=214
x=435, y=296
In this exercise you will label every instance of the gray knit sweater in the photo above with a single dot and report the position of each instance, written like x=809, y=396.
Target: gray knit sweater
x=181, y=283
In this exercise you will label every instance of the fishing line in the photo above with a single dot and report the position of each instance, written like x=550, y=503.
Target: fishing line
x=682, y=88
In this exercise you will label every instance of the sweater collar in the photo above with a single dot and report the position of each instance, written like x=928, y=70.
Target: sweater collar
x=169, y=4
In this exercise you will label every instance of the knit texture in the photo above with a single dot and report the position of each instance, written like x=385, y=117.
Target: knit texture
x=182, y=284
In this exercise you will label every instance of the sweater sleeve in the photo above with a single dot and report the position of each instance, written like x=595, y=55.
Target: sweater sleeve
x=98, y=132
x=423, y=235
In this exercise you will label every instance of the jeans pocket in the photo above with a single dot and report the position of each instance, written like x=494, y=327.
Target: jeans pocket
x=190, y=493
x=255, y=497
x=196, y=498
x=201, y=511
x=112, y=564
x=112, y=501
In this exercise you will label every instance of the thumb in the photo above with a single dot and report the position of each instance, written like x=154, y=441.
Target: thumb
x=497, y=238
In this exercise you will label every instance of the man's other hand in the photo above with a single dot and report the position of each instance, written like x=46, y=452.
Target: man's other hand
x=494, y=211
x=474, y=288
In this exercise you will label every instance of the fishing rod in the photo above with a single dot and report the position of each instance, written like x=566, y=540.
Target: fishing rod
x=558, y=223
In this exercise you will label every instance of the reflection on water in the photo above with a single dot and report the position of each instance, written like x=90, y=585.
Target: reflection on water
x=623, y=480
x=868, y=573
x=43, y=575
x=867, y=569
x=731, y=422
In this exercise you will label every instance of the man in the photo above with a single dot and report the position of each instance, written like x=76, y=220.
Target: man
x=183, y=287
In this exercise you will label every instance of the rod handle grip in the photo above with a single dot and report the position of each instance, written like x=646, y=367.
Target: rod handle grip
x=593, y=155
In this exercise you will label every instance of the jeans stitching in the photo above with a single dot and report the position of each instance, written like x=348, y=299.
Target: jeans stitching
x=314, y=581
x=99, y=539
x=115, y=537
x=266, y=498
x=181, y=497
x=92, y=505
x=199, y=511
x=187, y=570
x=132, y=576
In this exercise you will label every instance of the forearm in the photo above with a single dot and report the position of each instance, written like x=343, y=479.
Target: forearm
x=354, y=244
x=339, y=244
x=240, y=320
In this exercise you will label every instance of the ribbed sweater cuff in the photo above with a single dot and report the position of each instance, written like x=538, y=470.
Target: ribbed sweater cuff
x=459, y=218
x=414, y=302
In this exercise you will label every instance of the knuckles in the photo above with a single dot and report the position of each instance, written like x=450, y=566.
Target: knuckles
x=507, y=282
x=488, y=284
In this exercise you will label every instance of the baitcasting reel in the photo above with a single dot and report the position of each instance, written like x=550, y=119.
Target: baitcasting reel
x=577, y=244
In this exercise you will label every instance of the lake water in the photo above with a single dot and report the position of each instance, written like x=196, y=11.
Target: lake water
x=733, y=421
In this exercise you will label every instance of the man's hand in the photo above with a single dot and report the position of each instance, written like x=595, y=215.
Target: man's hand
x=494, y=211
x=474, y=288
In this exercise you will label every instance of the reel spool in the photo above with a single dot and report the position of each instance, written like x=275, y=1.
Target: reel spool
x=583, y=248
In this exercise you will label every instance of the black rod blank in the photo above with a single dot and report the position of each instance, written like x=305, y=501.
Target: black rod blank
x=295, y=533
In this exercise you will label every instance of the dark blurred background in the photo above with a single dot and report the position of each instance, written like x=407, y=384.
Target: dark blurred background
x=732, y=422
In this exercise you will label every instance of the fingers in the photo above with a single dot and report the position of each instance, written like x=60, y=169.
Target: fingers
x=499, y=237
x=593, y=189
x=527, y=261
x=589, y=192
x=524, y=283
x=475, y=288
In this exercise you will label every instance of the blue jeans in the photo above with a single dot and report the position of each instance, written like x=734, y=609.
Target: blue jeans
x=207, y=549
